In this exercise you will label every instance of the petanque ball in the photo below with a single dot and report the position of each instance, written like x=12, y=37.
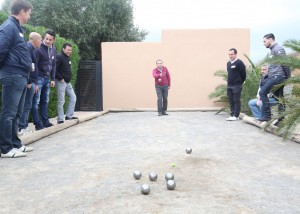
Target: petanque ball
x=169, y=176
x=152, y=176
x=171, y=184
x=188, y=150
x=145, y=189
x=137, y=174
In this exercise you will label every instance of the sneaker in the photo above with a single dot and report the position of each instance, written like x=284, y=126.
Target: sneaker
x=48, y=125
x=233, y=118
x=21, y=132
x=165, y=113
x=71, y=118
x=13, y=154
x=60, y=122
x=24, y=149
x=159, y=114
x=27, y=130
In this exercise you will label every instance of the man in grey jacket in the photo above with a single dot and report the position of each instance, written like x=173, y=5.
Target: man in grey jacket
x=276, y=74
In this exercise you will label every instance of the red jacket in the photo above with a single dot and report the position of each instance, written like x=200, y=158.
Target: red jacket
x=163, y=80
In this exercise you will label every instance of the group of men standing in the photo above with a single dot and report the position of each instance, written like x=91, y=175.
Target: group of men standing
x=272, y=75
x=27, y=71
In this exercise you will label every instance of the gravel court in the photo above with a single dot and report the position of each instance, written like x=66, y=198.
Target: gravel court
x=234, y=168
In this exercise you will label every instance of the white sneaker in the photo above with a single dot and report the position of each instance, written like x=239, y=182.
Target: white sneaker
x=25, y=149
x=27, y=131
x=233, y=118
x=14, y=153
x=21, y=132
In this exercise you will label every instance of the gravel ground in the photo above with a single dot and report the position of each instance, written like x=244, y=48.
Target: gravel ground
x=87, y=168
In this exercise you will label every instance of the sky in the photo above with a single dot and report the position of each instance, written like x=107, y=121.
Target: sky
x=260, y=16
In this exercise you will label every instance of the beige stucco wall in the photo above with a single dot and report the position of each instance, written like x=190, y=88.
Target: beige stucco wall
x=192, y=56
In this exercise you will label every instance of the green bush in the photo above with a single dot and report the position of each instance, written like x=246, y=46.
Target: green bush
x=52, y=108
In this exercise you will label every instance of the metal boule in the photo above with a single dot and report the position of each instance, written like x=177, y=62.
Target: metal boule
x=188, y=150
x=137, y=174
x=152, y=176
x=145, y=189
x=171, y=184
x=169, y=176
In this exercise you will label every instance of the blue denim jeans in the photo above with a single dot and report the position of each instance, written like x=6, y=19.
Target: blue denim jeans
x=13, y=96
x=265, y=90
x=257, y=111
x=162, y=98
x=40, y=101
x=27, y=107
x=64, y=88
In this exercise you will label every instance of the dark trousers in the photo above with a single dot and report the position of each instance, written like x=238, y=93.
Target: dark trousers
x=23, y=123
x=13, y=96
x=265, y=90
x=234, y=97
x=162, y=98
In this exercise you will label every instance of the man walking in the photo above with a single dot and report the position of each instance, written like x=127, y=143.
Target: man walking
x=276, y=75
x=15, y=66
x=63, y=77
x=46, y=65
x=162, y=86
x=35, y=40
x=236, y=76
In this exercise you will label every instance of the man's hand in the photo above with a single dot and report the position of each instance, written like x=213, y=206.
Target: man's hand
x=36, y=89
x=52, y=83
x=29, y=85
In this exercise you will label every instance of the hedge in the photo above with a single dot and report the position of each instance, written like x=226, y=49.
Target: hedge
x=59, y=41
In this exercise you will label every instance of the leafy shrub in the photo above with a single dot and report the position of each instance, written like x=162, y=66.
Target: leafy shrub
x=59, y=41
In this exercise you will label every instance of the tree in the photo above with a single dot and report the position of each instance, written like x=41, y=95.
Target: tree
x=88, y=23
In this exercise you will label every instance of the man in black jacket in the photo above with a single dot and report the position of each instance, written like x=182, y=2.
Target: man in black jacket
x=236, y=76
x=15, y=66
x=63, y=85
x=46, y=66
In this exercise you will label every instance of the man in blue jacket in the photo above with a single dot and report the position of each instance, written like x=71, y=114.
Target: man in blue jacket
x=46, y=66
x=15, y=65
x=35, y=40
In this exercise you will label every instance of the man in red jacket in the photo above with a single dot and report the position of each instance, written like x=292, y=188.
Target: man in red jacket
x=162, y=86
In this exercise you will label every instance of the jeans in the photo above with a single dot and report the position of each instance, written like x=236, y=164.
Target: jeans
x=13, y=96
x=257, y=111
x=23, y=124
x=265, y=90
x=162, y=98
x=234, y=97
x=64, y=88
x=40, y=100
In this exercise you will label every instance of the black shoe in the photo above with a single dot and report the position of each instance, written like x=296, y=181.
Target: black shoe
x=164, y=113
x=60, y=122
x=71, y=118
x=264, y=119
x=48, y=125
x=39, y=127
